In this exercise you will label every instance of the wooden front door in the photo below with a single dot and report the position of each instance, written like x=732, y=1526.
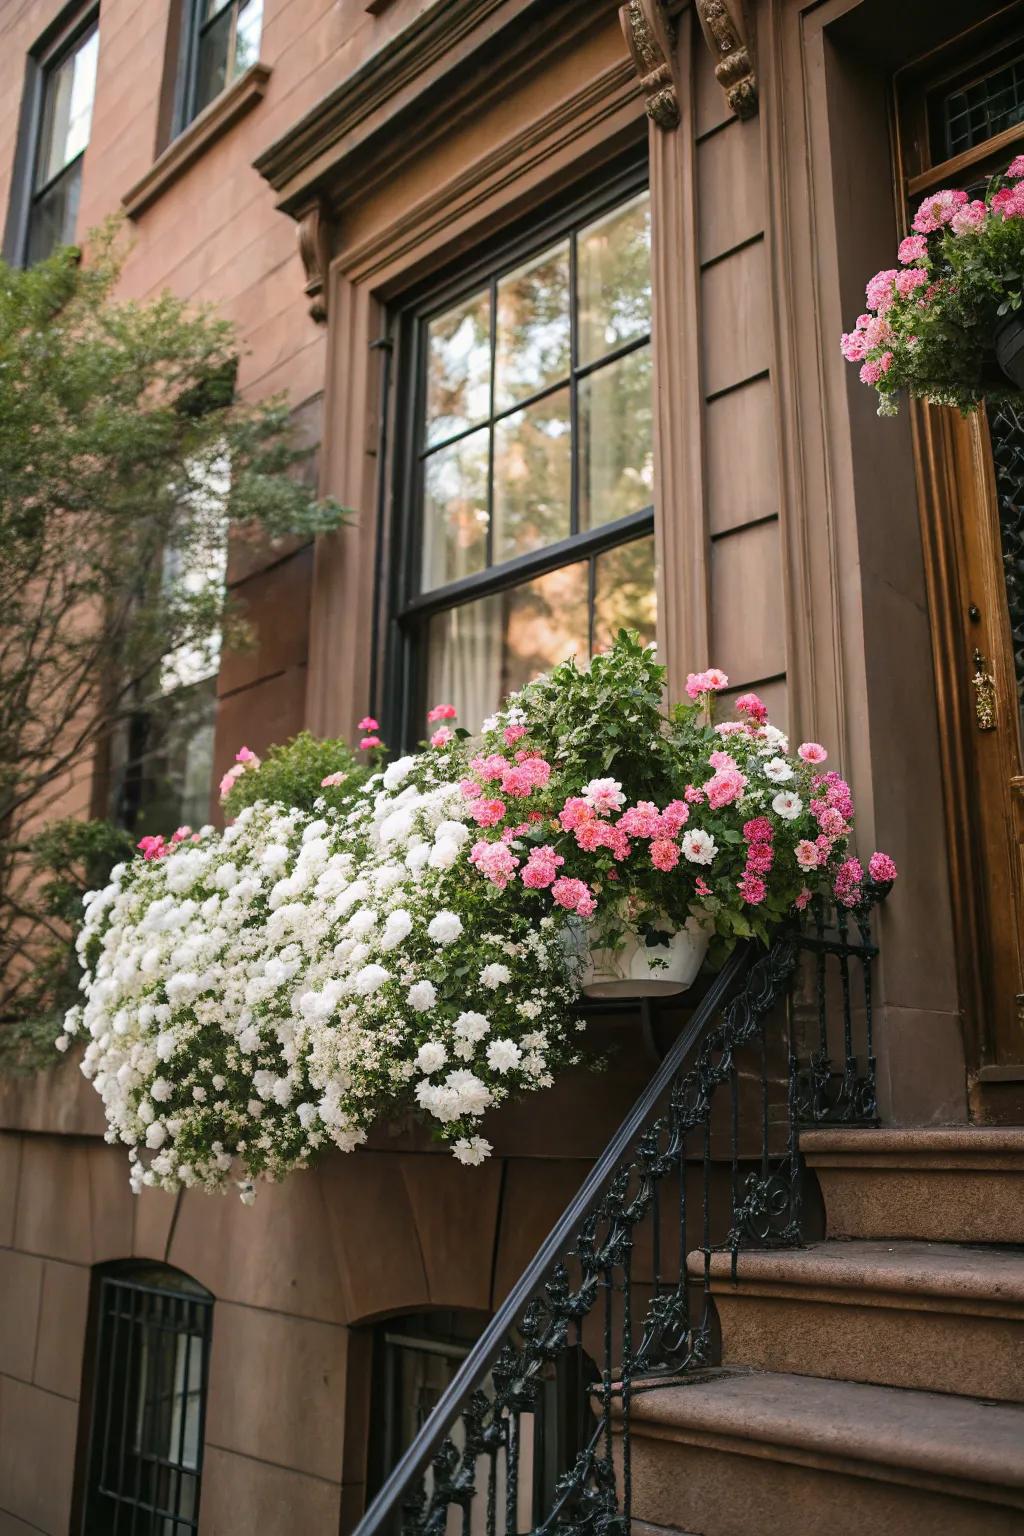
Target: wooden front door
x=960, y=117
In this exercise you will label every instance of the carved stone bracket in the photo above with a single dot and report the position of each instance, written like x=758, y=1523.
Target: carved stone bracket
x=314, y=248
x=727, y=33
x=650, y=40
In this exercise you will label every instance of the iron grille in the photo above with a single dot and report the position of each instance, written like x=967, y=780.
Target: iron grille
x=985, y=106
x=1006, y=424
x=148, y=1406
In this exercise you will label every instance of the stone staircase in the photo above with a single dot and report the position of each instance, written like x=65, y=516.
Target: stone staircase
x=877, y=1375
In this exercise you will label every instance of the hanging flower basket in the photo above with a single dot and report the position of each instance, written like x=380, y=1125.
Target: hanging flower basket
x=660, y=961
x=947, y=324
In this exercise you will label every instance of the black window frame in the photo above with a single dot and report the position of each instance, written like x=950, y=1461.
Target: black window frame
x=57, y=43
x=193, y=28
x=130, y=1299
x=404, y=608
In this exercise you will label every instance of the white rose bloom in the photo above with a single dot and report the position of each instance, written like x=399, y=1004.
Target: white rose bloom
x=778, y=770
x=456, y=830
x=444, y=928
x=160, y=1090
x=495, y=975
x=362, y=922
x=422, y=996
x=698, y=846
x=397, y=928
x=431, y=1056
x=146, y=1112
x=156, y=1135
x=416, y=858
x=788, y=805
x=472, y=1150
x=396, y=773
x=369, y=979
x=503, y=1055
x=444, y=853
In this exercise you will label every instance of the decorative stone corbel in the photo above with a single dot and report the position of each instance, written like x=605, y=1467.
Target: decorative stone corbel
x=314, y=248
x=650, y=40
x=727, y=33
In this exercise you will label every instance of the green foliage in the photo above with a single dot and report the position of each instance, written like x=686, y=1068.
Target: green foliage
x=65, y=860
x=293, y=773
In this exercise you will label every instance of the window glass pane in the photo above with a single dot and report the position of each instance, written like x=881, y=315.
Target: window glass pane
x=616, y=446
x=54, y=215
x=624, y=596
x=532, y=475
x=459, y=368
x=480, y=652
x=67, y=109
x=455, y=510
x=533, y=327
x=614, y=279
x=247, y=35
x=212, y=60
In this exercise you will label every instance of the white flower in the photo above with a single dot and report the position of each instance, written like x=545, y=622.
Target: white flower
x=444, y=928
x=397, y=928
x=788, y=805
x=604, y=795
x=778, y=770
x=370, y=979
x=422, y=996
x=62, y=1042
x=431, y=1056
x=416, y=858
x=471, y=1095
x=457, y=831
x=444, y=853
x=472, y=1150
x=503, y=1055
x=156, y=1135
x=146, y=1112
x=397, y=772
x=698, y=846
x=495, y=975
x=471, y=1026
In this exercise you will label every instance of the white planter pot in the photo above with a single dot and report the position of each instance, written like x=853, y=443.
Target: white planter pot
x=637, y=970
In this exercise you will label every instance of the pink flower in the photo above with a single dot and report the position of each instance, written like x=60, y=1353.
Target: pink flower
x=853, y=345
x=513, y=733
x=494, y=860
x=806, y=854
x=675, y=816
x=938, y=209
x=758, y=830
x=878, y=330
x=180, y=834
x=368, y=723
x=910, y=280
x=913, y=248
x=966, y=220
x=574, y=812
x=802, y=900
x=664, y=854
x=750, y=704
x=517, y=781
x=153, y=846
x=1008, y=203
x=439, y=712
x=880, y=866
x=701, y=887
x=832, y=822
x=847, y=886
x=871, y=372
x=369, y=742
x=879, y=290
x=694, y=796
x=1016, y=167
x=246, y=755
x=333, y=780
x=604, y=795
x=490, y=767
x=538, y=770
x=441, y=737
x=541, y=868
x=641, y=820
x=711, y=681
x=838, y=794
x=759, y=858
x=227, y=783
x=811, y=752
x=470, y=789
x=571, y=893
x=487, y=813
x=725, y=788
x=722, y=762
x=753, y=890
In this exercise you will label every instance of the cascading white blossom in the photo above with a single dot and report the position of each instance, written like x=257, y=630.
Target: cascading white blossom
x=260, y=994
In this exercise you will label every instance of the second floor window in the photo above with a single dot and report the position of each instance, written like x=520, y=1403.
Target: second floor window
x=68, y=88
x=222, y=40
x=528, y=498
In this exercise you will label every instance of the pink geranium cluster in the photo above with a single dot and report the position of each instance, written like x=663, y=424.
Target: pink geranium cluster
x=930, y=323
x=155, y=846
x=245, y=761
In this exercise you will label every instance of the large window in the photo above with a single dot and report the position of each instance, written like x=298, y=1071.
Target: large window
x=60, y=92
x=144, y=1442
x=221, y=40
x=528, y=491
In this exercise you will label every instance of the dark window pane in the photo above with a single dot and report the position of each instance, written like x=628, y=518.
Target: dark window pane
x=458, y=368
x=616, y=447
x=533, y=327
x=614, y=279
x=455, y=510
x=247, y=35
x=983, y=107
x=212, y=60
x=532, y=476
x=67, y=109
x=624, y=595
x=55, y=214
x=483, y=650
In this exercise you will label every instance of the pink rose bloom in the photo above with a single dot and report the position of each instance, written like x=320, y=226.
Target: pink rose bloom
x=675, y=816
x=538, y=770
x=749, y=704
x=369, y=742
x=853, y=345
x=803, y=899
x=694, y=796
x=495, y=861
x=1016, y=167
x=811, y=752
x=913, y=248
x=711, y=681
x=938, y=209
x=753, y=890
x=879, y=290
x=664, y=854
x=470, y=789
x=589, y=835
x=806, y=854
x=513, y=733
x=574, y=812
x=246, y=756
x=758, y=830
x=701, y=887
x=487, y=813
x=722, y=762
x=368, y=723
x=490, y=767
x=228, y=781
x=641, y=820
x=759, y=858
x=441, y=737
x=517, y=781
x=542, y=868
x=726, y=787
x=441, y=712
x=967, y=219
x=847, y=887
x=153, y=846
x=333, y=780
x=605, y=795
x=880, y=866
x=569, y=893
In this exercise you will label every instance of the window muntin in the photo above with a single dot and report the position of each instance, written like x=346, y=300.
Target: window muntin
x=145, y=1444
x=69, y=88
x=224, y=41
x=977, y=108
x=534, y=460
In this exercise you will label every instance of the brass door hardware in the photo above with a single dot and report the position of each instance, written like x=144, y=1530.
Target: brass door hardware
x=984, y=685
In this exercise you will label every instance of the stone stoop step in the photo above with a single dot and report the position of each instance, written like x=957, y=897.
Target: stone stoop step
x=936, y=1316
x=942, y=1184
x=751, y=1454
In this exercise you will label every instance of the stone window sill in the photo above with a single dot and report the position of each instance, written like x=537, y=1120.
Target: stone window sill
x=239, y=97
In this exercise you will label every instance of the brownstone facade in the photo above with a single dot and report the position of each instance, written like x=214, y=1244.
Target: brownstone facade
x=371, y=148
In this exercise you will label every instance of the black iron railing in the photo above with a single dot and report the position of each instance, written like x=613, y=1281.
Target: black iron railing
x=533, y=1432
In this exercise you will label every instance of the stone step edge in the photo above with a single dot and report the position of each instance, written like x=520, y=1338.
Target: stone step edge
x=952, y=1149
